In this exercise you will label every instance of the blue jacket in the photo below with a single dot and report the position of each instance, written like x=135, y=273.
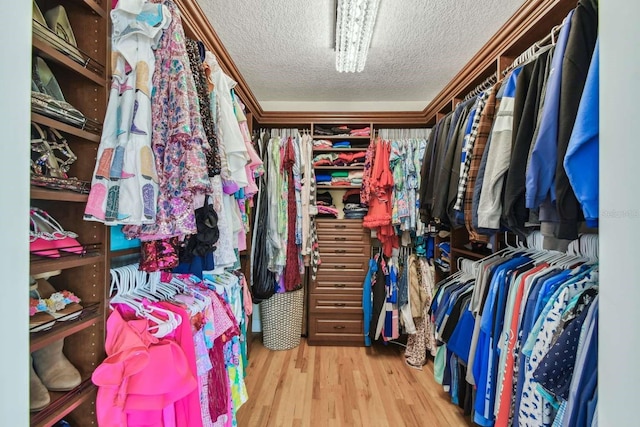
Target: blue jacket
x=542, y=165
x=581, y=160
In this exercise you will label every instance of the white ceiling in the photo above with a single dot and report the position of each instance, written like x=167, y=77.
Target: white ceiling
x=284, y=50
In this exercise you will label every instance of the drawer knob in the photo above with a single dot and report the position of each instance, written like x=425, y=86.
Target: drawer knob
x=339, y=304
x=340, y=226
x=340, y=285
x=341, y=239
x=340, y=251
x=339, y=327
x=341, y=267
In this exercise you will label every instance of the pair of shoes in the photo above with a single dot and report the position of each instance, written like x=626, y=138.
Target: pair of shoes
x=47, y=97
x=54, y=28
x=47, y=305
x=50, y=371
x=47, y=148
x=47, y=237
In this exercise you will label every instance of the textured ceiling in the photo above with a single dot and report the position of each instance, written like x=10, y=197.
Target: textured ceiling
x=284, y=49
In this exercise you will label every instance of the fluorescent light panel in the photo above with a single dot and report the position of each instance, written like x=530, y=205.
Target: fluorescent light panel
x=354, y=29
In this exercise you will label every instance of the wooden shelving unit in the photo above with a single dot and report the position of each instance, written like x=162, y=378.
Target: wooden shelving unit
x=62, y=329
x=40, y=193
x=63, y=403
x=331, y=150
x=63, y=127
x=85, y=86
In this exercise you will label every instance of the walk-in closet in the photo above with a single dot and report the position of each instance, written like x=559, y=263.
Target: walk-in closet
x=337, y=213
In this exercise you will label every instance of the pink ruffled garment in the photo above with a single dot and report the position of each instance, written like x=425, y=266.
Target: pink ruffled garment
x=130, y=391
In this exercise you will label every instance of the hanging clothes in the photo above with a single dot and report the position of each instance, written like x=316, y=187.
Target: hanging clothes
x=124, y=187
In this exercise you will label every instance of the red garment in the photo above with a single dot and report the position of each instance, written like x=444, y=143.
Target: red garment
x=130, y=391
x=291, y=269
x=381, y=185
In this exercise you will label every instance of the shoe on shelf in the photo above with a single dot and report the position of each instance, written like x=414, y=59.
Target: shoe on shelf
x=63, y=305
x=47, y=237
x=54, y=28
x=53, y=368
x=47, y=97
x=39, y=397
x=58, y=21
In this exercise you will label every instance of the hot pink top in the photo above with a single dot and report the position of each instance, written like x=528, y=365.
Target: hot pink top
x=134, y=384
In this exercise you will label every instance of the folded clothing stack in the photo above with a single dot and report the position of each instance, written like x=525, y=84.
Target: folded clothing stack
x=322, y=143
x=361, y=132
x=342, y=144
x=340, y=178
x=353, y=209
x=325, y=159
x=350, y=159
x=444, y=260
x=323, y=178
x=326, y=208
x=331, y=130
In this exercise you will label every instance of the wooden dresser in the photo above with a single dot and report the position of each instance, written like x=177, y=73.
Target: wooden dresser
x=335, y=297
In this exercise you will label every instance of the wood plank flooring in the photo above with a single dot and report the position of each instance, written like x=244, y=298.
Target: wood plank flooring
x=342, y=386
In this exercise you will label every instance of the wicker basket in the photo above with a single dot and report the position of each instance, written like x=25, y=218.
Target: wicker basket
x=282, y=320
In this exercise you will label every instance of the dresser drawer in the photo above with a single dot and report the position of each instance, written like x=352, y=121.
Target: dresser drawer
x=336, y=304
x=346, y=264
x=323, y=224
x=342, y=237
x=330, y=330
x=347, y=250
x=337, y=285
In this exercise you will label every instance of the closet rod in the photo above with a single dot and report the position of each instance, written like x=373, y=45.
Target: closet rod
x=534, y=48
x=489, y=81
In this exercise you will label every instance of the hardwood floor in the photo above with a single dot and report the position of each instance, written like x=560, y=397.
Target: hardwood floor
x=342, y=386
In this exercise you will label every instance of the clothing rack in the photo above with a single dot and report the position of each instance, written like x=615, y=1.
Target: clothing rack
x=535, y=49
x=489, y=81
x=404, y=133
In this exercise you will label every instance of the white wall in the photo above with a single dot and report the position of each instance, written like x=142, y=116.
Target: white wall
x=15, y=33
x=619, y=345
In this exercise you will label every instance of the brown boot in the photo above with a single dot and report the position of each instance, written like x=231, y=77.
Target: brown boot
x=54, y=369
x=38, y=394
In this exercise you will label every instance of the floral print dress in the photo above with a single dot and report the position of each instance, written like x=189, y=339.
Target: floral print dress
x=178, y=138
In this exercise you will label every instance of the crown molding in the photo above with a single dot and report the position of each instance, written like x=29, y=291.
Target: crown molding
x=197, y=26
x=378, y=117
x=530, y=23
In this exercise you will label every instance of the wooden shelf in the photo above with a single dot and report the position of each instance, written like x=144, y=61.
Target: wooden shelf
x=337, y=187
x=40, y=264
x=94, y=6
x=468, y=253
x=341, y=137
x=338, y=167
x=63, y=127
x=62, y=329
x=49, y=52
x=62, y=403
x=125, y=252
x=40, y=193
x=329, y=150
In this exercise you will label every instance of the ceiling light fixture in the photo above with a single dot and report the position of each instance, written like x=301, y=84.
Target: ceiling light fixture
x=354, y=28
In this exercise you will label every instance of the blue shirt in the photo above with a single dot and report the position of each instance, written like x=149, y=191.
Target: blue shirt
x=542, y=165
x=581, y=160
